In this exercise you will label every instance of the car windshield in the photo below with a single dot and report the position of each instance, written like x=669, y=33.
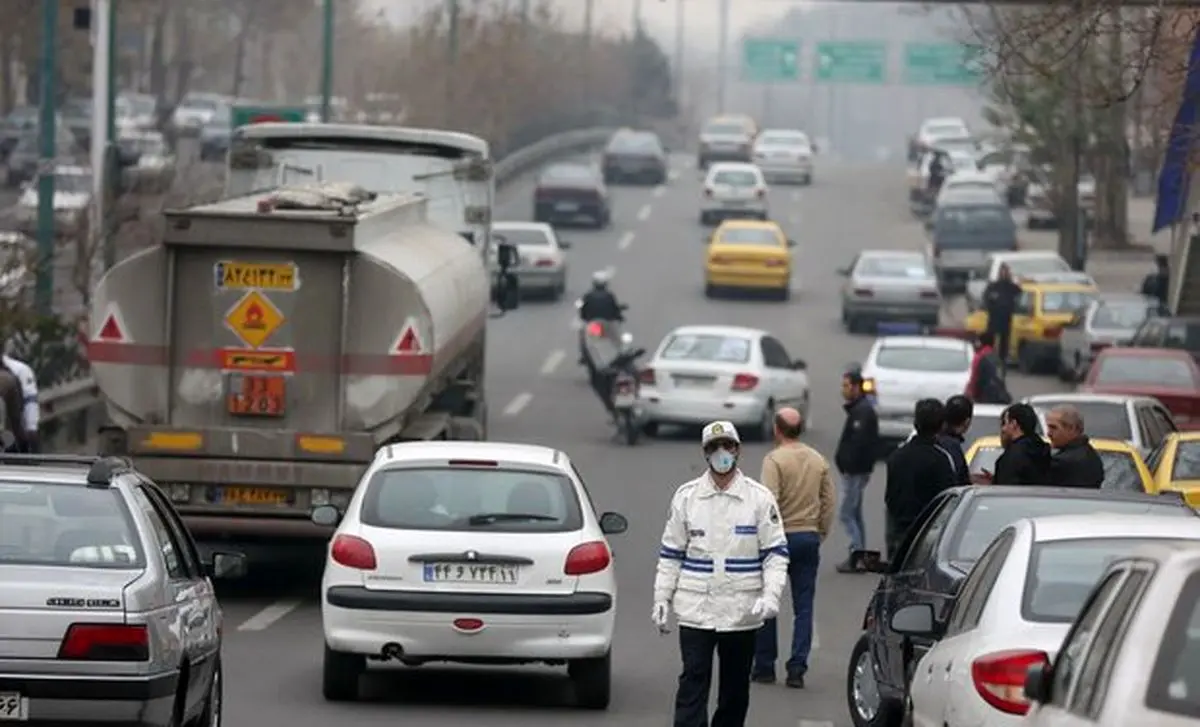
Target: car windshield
x=1174, y=681
x=635, y=143
x=968, y=183
x=568, y=173
x=725, y=128
x=66, y=525
x=894, y=266
x=1062, y=573
x=523, y=237
x=1123, y=316
x=1187, y=461
x=989, y=515
x=749, y=236
x=471, y=498
x=704, y=347
x=783, y=139
x=1102, y=419
x=1036, y=266
x=735, y=178
x=200, y=104
x=1063, y=301
x=922, y=358
x=1152, y=371
x=72, y=183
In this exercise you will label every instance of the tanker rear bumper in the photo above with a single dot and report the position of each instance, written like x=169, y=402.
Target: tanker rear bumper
x=253, y=528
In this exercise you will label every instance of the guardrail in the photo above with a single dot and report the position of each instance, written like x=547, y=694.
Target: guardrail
x=75, y=399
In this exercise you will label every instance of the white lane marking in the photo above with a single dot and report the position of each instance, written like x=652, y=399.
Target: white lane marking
x=611, y=271
x=660, y=191
x=552, y=361
x=814, y=723
x=673, y=175
x=816, y=637
x=796, y=195
x=262, y=620
x=625, y=241
x=644, y=213
x=519, y=402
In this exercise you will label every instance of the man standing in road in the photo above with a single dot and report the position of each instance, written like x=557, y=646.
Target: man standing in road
x=1075, y=463
x=916, y=473
x=1026, y=456
x=855, y=460
x=721, y=568
x=798, y=476
x=1000, y=301
x=985, y=386
x=959, y=412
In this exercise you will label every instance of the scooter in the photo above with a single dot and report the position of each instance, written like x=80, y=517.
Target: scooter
x=625, y=391
x=599, y=341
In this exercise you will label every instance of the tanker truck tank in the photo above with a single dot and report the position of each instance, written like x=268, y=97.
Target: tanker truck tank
x=254, y=362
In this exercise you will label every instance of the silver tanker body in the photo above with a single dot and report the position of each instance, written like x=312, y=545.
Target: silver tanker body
x=254, y=363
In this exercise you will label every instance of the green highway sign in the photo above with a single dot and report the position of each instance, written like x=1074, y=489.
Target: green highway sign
x=246, y=115
x=770, y=60
x=853, y=61
x=941, y=64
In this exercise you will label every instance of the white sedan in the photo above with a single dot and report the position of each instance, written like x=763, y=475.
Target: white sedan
x=474, y=552
x=784, y=155
x=1014, y=611
x=905, y=369
x=702, y=373
x=542, y=268
x=733, y=190
x=971, y=179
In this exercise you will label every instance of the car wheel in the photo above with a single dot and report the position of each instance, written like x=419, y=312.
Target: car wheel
x=710, y=290
x=1025, y=361
x=764, y=429
x=340, y=673
x=785, y=293
x=650, y=429
x=560, y=289
x=868, y=708
x=211, y=714
x=592, y=679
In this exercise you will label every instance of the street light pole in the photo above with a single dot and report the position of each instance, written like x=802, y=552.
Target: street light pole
x=327, y=62
x=110, y=127
x=679, y=52
x=722, y=55
x=47, y=128
x=102, y=81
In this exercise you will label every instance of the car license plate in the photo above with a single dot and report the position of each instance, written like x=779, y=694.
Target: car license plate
x=566, y=207
x=13, y=707
x=690, y=382
x=254, y=496
x=490, y=574
x=624, y=401
x=256, y=396
x=734, y=203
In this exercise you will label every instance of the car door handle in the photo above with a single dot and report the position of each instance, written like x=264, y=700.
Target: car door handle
x=949, y=665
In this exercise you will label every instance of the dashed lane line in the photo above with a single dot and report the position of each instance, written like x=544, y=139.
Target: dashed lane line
x=552, y=362
x=263, y=620
x=644, y=213
x=625, y=241
x=518, y=404
x=660, y=191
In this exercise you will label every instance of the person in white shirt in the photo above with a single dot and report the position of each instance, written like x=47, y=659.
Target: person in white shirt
x=31, y=410
x=722, y=566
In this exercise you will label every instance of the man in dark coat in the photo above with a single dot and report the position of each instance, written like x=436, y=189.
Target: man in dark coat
x=916, y=472
x=1076, y=462
x=1000, y=301
x=1026, y=456
x=855, y=461
x=959, y=412
x=1157, y=284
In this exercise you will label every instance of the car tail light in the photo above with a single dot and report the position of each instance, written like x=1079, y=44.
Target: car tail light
x=864, y=292
x=106, y=642
x=1053, y=332
x=587, y=558
x=353, y=552
x=744, y=382
x=776, y=263
x=595, y=329
x=624, y=386
x=646, y=376
x=929, y=294
x=708, y=192
x=544, y=263
x=1000, y=678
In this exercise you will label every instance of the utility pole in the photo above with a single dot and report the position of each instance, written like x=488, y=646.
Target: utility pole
x=110, y=128
x=327, y=28
x=102, y=92
x=637, y=17
x=47, y=128
x=1075, y=239
x=679, y=53
x=452, y=12
x=722, y=55
x=525, y=12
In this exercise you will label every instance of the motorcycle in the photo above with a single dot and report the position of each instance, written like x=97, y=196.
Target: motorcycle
x=626, y=390
x=599, y=342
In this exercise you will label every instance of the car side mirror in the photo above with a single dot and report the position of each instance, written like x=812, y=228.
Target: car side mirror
x=564, y=244
x=327, y=516
x=844, y=272
x=800, y=364
x=929, y=225
x=226, y=566
x=914, y=620
x=613, y=523
x=1038, y=678
x=791, y=242
x=816, y=149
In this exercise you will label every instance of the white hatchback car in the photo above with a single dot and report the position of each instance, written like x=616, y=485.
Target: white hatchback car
x=905, y=369
x=474, y=552
x=703, y=373
x=733, y=190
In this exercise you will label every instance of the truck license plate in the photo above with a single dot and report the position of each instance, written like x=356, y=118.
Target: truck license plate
x=256, y=396
x=254, y=496
x=13, y=707
x=623, y=401
x=468, y=573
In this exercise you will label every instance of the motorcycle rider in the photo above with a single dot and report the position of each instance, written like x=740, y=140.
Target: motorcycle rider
x=939, y=169
x=599, y=303
x=31, y=411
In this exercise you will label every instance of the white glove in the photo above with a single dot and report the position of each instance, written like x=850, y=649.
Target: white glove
x=660, y=613
x=764, y=610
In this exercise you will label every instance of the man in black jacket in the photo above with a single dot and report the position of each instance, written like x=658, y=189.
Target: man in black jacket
x=916, y=472
x=1000, y=301
x=1026, y=456
x=1157, y=284
x=959, y=412
x=855, y=460
x=1076, y=463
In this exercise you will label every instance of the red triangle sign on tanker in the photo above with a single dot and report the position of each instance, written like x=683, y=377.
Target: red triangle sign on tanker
x=111, y=330
x=408, y=343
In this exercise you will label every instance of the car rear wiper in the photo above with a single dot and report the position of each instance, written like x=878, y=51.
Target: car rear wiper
x=488, y=518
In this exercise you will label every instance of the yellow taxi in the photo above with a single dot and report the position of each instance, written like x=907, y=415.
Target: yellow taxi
x=1176, y=465
x=1124, y=468
x=1043, y=310
x=748, y=255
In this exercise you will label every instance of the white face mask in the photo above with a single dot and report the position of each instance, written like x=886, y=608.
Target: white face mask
x=722, y=461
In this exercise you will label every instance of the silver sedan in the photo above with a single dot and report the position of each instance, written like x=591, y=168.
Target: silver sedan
x=889, y=285
x=543, y=266
x=1109, y=320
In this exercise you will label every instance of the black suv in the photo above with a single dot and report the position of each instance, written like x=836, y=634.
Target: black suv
x=635, y=156
x=931, y=565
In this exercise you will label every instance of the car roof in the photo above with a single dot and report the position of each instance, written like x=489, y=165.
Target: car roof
x=749, y=224
x=730, y=331
x=944, y=342
x=988, y=410
x=43, y=474
x=1066, y=493
x=1107, y=525
x=498, y=451
x=519, y=225
x=1047, y=286
x=790, y=132
x=1145, y=352
x=1187, y=436
x=1074, y=397
x=733, y=167
x=970, y=197
x=970, y=175
x=892, y=254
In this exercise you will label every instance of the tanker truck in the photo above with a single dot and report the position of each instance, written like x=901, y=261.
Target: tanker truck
x=254, y=362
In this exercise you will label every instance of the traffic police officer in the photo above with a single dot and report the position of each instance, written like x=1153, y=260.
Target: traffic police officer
x=31, y=412
x=721, y=568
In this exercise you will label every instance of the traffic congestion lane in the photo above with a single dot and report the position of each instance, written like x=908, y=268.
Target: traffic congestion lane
x=274, y=672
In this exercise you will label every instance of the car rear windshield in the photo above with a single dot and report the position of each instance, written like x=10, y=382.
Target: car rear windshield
x=1144, y=371
x=896, y=266
x=1062, y=573
x=1174, y=684
x=719, y=349
x=524, y=237
x=568, y=174
x=736, y=178
x=470, y=498
x=785, y=140
x=1065, y=301
x=922, y=358
x=725, y=128
x=1102, y=419
x=1187, y=461
x=66, y=525
x=749, y=236
x=989, y=515
x=1121, y=315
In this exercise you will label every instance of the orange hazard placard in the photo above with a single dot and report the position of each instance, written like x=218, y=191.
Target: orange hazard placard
x=254, y=318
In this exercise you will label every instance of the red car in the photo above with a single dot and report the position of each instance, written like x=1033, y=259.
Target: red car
x=1169, y=375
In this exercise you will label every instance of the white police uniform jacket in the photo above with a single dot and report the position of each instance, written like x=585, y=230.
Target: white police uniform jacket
x=31, y=414
x=721, y=550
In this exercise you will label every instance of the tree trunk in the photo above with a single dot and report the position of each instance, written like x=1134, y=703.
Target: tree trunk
x=7, y=61
x=239, y=63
